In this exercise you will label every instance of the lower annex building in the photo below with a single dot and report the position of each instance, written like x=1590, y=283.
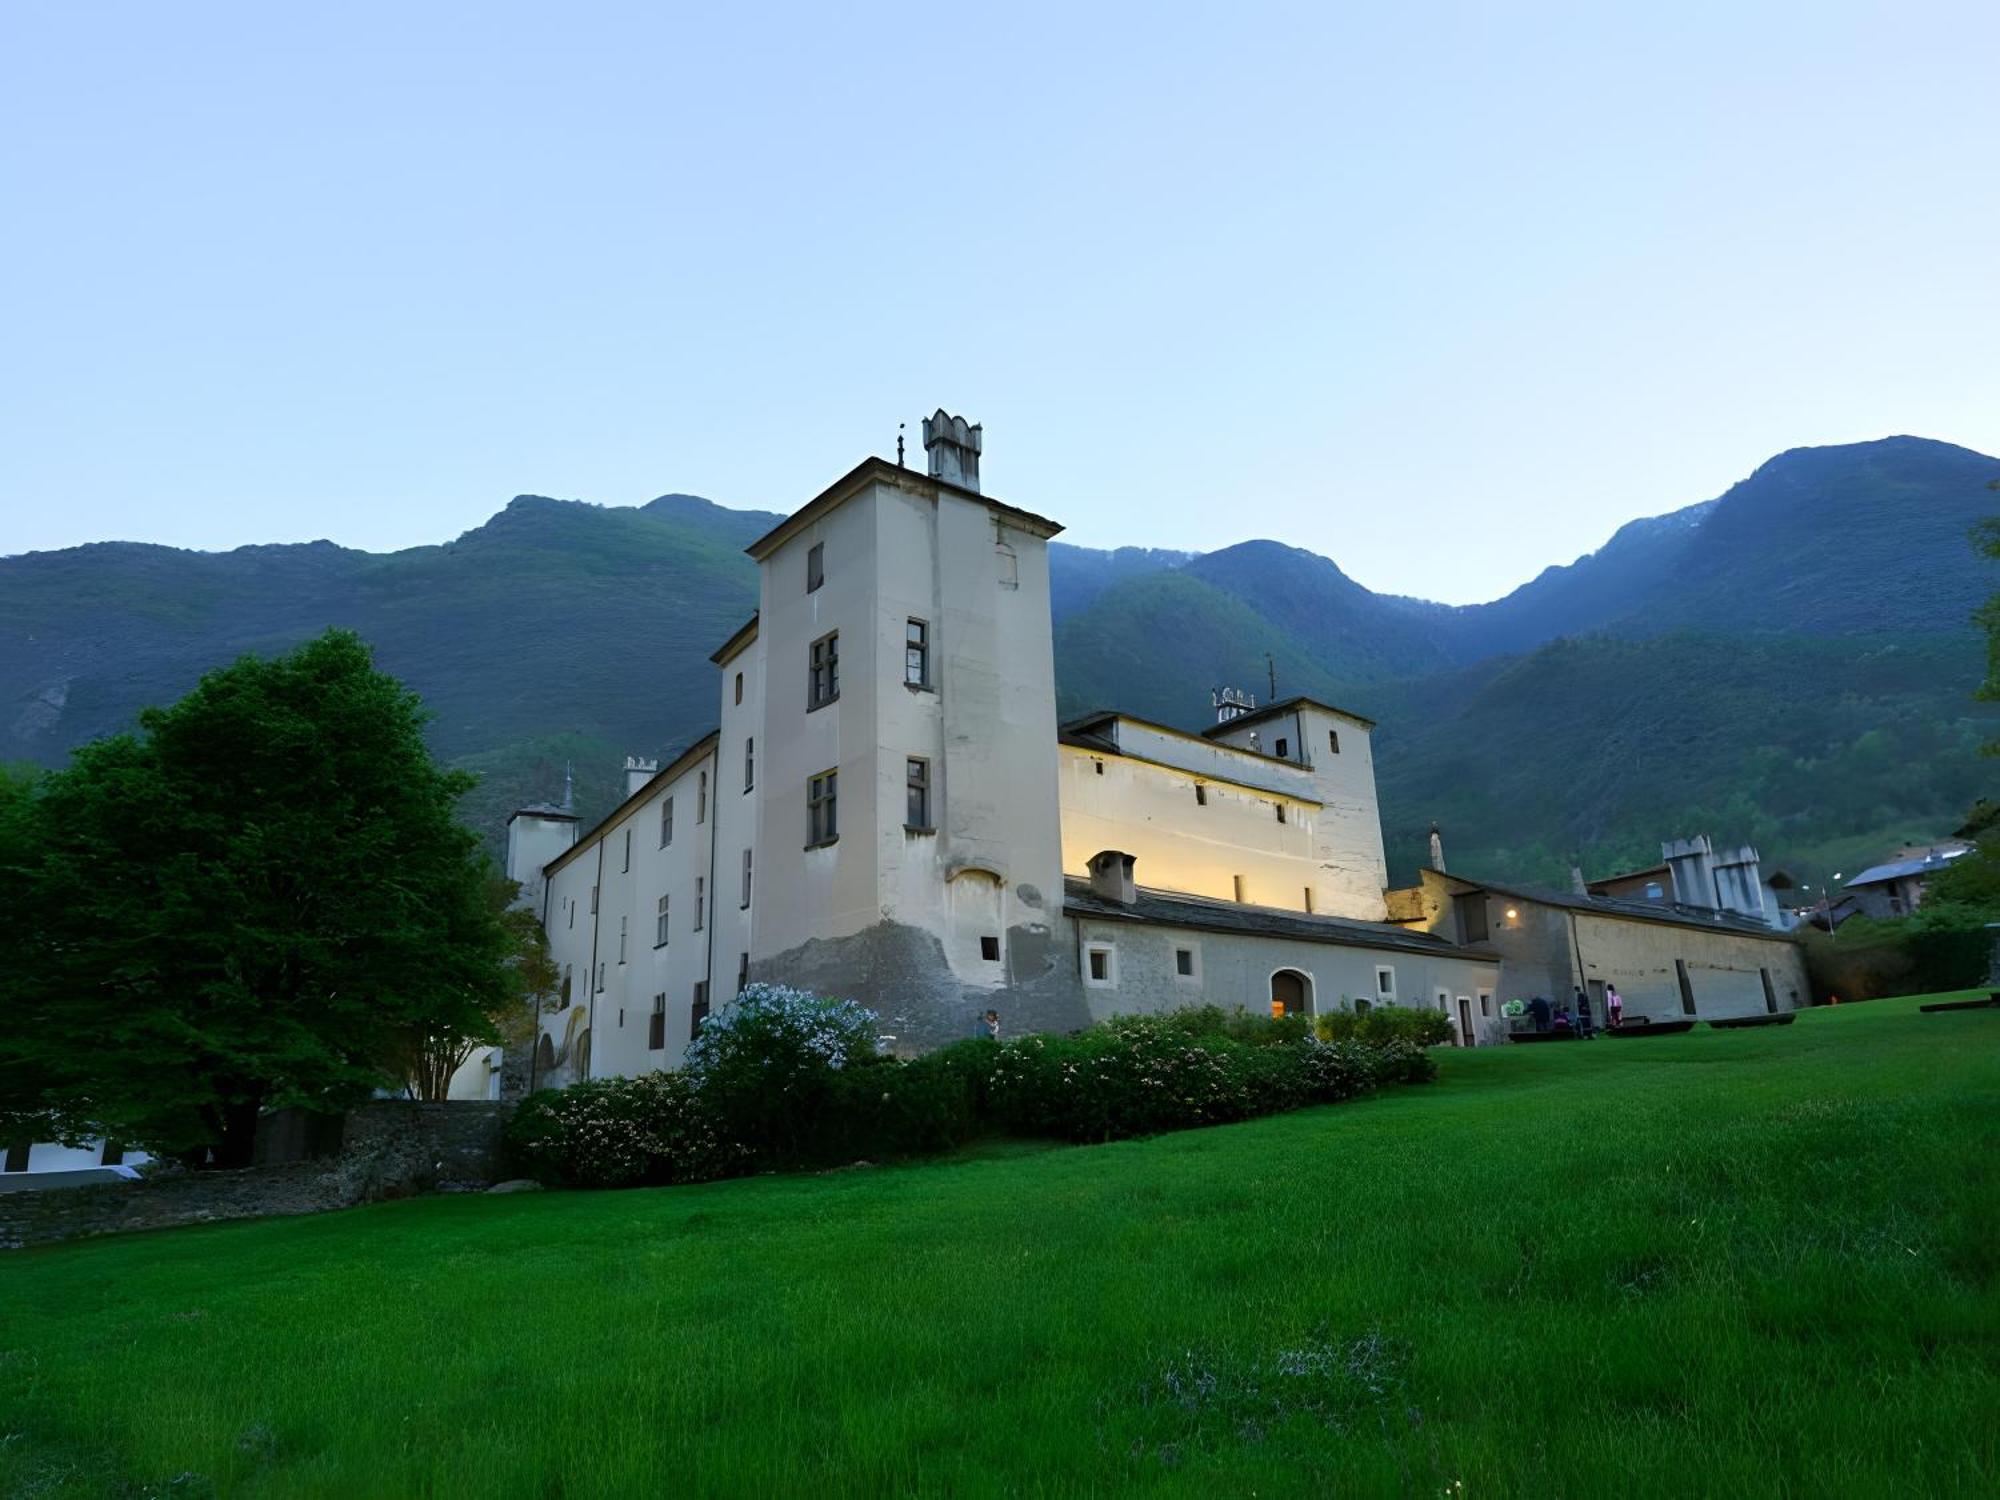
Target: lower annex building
x=889, y=811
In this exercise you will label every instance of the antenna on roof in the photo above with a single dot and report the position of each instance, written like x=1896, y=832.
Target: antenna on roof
x=899, y=445
x=1271, y=667
x=569, y=788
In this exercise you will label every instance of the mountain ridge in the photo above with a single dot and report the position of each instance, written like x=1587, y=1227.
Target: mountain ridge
x=527, y=633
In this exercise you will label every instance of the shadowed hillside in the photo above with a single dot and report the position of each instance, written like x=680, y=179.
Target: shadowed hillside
x=1787, y=663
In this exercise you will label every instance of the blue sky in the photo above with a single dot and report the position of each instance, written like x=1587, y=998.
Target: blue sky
x=1444, y=292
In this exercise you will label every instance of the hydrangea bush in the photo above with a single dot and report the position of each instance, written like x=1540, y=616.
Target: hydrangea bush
x=651, y=1130
x=766, y=1065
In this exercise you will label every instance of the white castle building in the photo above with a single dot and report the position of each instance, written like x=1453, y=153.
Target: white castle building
x=888, y=811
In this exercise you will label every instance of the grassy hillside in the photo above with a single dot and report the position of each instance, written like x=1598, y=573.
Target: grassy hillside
x=1727, y=1263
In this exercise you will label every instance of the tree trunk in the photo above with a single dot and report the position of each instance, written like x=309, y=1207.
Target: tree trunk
x=238, y=1141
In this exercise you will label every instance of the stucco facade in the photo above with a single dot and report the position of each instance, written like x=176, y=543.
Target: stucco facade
x=887, y=810
x=1666, y=966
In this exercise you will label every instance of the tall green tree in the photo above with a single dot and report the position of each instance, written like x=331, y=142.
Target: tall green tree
x=248, y=903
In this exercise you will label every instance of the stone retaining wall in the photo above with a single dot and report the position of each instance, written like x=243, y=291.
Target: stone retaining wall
x=391, y=1148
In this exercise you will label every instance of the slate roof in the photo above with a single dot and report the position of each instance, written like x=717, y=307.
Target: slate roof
x=1172, y=909
x=1899, y=869
x=1613, y=906
x=1283, y=706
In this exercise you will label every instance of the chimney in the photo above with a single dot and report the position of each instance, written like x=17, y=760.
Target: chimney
x=1437, y=849
x=953, y=444
x=1576, y=882
x=1111, y=877
x=638, y=771
x=1690, y=864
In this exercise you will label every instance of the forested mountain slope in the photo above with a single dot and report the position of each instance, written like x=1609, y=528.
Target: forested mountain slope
x=1789, y=662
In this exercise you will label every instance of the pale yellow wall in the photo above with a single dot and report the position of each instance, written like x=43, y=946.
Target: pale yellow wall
x=1151, y=812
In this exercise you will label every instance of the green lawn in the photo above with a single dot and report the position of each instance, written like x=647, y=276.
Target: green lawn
x=1749, y=1263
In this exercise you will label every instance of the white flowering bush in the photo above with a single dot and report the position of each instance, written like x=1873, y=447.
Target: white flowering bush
x=622, y=1132
x=766, y=1065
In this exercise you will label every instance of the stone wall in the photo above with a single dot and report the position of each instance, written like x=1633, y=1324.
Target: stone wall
x=391, y=1148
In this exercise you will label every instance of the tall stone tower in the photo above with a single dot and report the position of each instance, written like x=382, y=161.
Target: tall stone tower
x=908, y=823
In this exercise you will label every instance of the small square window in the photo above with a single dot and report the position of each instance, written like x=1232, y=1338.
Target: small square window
x=1333, y=741
x=1279, y=809
x=1184, y=962
x=1284, y=749
x=1385, y=982
x=989, y=949
x=1100, y=965
x=815, y=566
x=1200, y=795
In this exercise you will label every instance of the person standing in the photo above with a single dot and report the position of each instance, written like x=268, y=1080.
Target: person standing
x=992, y=1024
x=1583, y=1026
x=1539, y=1009
x=1614, y=1006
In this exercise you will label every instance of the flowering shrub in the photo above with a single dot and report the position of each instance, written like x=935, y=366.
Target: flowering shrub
x=784, y=1078
x=621, y=1132
x=765, y=1066
x=1424, y=1028
x=1134, y=1078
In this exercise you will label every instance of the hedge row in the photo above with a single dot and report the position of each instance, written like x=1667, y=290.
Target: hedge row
x=780, y=1079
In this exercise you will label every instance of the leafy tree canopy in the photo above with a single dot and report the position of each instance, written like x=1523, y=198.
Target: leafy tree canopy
x=252, y=901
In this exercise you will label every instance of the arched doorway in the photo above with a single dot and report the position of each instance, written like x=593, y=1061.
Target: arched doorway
x=1291, y=993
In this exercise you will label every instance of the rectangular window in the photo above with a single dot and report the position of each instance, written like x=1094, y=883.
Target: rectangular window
x=989, y=948
x=666, y=822
x=1100, y=965
x=656, y=1028
x=1284, y=749
x=917, y=795
x=1279, y=809
x=1184, y=962
x=739, y=687
x=1099, y=766
x=699, y=1012
x=700, y=901
x=916, y=654
x=621, y=940
x=746, y=879
x=823, y=685
x=1472, y=926
x=113, y=1154
x=822, y=809
x=749, y=764
x=593, y=901
x=701, y=798
x=815, y=566
x=626, y=868
x=660, y=915
x=742, y=972
x=572, y=913
x=1486, y=1003
x=1200, y=795
x=1385, y=982
x=1333, y=741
